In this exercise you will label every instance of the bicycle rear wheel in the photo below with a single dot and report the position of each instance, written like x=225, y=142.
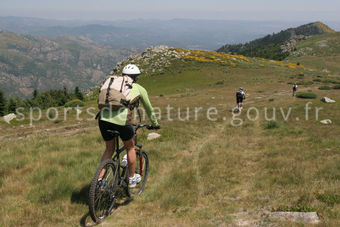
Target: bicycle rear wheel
x=102, y=194
x=142, y=168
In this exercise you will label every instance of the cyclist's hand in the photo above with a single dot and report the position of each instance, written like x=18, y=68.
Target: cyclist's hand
x=154, y=127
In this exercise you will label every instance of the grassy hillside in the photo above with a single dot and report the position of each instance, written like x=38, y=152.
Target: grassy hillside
x=277, y=46
x=321, y=52
x=36, y=62
x=203, y=172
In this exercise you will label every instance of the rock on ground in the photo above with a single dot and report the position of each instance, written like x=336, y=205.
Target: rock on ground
x=153, y=135
x=326, y=122
x=327, y=100
x=9, y=117
x=305, y=217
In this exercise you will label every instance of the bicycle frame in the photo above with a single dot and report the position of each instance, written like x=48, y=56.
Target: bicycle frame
x=119, y=185
x=118, y=151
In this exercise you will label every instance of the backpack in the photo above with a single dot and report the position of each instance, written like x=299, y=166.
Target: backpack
x=239, y=94
x=115, y=93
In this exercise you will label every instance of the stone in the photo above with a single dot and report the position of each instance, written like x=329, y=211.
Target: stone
x=147, y=57
x=326, y=122
x=305, y=217
x=327, y=100
x=9, y=117
x=153, y=135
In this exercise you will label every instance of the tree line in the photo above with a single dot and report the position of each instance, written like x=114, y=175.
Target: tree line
x=43, y=100
x=267, y=47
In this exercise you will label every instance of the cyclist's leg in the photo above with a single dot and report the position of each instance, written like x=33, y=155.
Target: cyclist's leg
x=131, y=155
x=110, y=148
x=108, y=137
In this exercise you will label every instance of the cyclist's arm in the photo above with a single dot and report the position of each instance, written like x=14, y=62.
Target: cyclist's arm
x=147, y=106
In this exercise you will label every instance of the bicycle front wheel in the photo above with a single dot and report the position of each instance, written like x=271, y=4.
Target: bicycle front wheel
x=102, y=194
x=142, y=168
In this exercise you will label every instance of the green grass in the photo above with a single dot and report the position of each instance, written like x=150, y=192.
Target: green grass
x=202, y=173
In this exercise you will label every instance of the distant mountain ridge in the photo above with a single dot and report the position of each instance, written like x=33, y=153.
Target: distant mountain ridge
x=34, y=62
x=278, y=45
x=143, y=33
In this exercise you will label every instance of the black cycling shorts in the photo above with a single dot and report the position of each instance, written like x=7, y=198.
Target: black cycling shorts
x=126, y=132
x=239, y=100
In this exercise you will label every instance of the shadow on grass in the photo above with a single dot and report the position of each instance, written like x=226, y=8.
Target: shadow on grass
x=86, y=220
x=81, y=196
x=121, y=204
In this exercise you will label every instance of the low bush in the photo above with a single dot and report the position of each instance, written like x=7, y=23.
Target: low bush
x=272, y=124
x=325, y=87
x=330, y=81
x=336, y=86
x=304, y=83
x=306, y=95
x=74, y=103
x=58, y=121
x=329, y=199
x=297, y=208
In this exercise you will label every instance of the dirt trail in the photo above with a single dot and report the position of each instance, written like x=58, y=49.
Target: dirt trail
x=65, y=130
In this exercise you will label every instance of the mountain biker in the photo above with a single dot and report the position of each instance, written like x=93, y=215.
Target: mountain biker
x=121, y=121
x=294, y=89
x=240, y=96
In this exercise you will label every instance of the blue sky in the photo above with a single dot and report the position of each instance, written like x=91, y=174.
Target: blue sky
x=309, y=10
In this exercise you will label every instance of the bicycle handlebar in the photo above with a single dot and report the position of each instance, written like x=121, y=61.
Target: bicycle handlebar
x=149, y=127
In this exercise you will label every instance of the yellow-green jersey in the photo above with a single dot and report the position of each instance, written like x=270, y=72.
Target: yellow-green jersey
x=124, y=116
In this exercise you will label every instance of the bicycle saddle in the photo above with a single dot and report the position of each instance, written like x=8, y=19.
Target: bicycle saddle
x=114, y=133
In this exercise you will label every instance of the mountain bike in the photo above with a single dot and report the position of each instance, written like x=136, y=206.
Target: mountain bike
x=114, y=184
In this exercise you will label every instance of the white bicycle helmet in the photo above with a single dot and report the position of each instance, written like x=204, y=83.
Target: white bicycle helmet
x=131, y=69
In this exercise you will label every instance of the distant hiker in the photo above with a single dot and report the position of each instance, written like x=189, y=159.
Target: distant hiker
x=294, y=89
x=240, y=96
x=118, y=96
